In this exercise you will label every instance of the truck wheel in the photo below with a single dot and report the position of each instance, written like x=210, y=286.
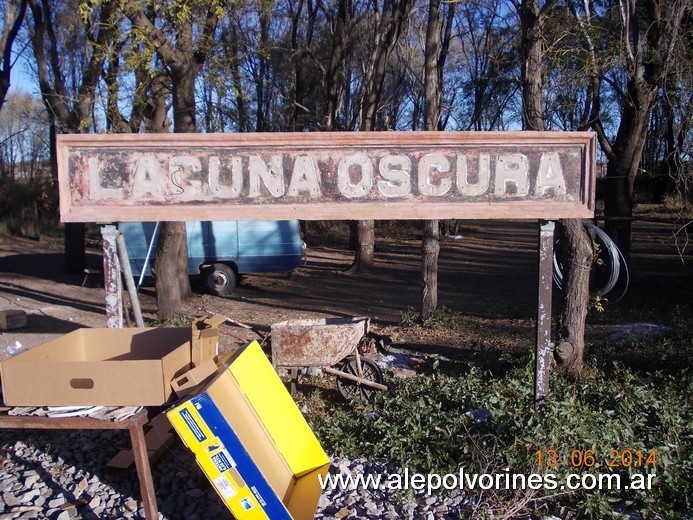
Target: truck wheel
x=219, y=279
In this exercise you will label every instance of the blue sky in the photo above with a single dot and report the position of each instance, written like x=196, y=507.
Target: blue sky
x=21, y=79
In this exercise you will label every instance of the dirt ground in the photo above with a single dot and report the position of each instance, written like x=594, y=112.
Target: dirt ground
x=487, y=274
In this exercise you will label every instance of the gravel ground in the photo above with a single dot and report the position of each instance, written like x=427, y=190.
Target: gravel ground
x=60, y=475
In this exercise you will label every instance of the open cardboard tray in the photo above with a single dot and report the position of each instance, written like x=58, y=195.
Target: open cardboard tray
x=108, y=367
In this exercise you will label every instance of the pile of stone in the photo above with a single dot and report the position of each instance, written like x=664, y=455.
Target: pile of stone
x=60, y=475
x=387, y=501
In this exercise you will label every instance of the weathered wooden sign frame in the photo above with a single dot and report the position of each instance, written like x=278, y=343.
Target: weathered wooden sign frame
x=320, y=176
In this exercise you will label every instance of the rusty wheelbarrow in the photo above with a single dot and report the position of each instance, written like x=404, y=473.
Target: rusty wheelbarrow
x=332, y=344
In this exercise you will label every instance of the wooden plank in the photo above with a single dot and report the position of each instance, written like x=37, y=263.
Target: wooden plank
x=338, y=175
x=71, y=423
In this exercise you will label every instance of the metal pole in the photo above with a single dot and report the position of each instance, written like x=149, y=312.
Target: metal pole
x=111, y=279
x=155, y=234
x=544, y=345
x=129, y=280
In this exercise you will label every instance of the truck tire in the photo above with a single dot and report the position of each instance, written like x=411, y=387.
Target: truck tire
x=219, y=279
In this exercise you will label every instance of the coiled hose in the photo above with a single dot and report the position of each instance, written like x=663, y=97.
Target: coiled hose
x=617, y=264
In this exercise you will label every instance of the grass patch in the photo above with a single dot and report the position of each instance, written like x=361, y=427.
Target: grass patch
x=428, y=424
x=180, y=320
x=441, y=318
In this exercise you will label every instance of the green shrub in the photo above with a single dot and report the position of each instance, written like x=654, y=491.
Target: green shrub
x=427, y=424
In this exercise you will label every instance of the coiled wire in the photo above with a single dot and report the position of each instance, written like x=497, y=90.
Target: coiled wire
x=617, y=265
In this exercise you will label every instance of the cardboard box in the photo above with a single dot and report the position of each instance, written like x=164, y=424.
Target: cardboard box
x=109, y=367
x=188, y=382
x=205, y=339
x=252, y=441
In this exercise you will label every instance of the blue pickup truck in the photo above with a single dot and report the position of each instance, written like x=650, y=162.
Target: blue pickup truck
x=220, y=252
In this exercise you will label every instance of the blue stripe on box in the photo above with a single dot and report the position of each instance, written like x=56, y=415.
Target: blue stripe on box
x=252, y=476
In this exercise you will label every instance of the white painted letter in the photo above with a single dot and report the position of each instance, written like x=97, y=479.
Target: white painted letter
x=513, y=169
x=216, y=186
x=304, y=178
x=550, y=175
x=148, y=178
x=272, y=177
x=396, y=172
x=439, y=163
x=96, y=191
x=364, y=185
x=483, y=176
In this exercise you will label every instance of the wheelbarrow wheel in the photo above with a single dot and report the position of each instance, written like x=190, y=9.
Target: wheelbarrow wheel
x=350, y=389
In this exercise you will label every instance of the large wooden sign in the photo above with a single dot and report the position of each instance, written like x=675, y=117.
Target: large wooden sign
x=365, y=175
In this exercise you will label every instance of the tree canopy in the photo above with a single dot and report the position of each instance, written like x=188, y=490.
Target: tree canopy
x=621, y=68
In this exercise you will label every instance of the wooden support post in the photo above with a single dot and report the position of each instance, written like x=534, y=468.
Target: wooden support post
x=111, y=278
x=144, y=473
x=544, y=345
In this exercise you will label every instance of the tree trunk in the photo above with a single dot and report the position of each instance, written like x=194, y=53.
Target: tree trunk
x=75, y=252
x=624, y=163
x=13, y=17
x=365, y=247
x=532, y=21
x=243, y=119
x=168, y=266
x=262, y=123
x=70, y=107
x=183, y=57
x=171, y=256
x=430, y=247
x=387, y=32
x=364, y=258
x=651, y=36
x=155, y=111
x=577, y=244
x=334, y=69
x=578, y=255
x=430, y=243
x=183, y=81
x=171, y=276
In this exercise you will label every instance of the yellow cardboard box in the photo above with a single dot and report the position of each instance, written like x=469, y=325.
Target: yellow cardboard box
x=252, y=441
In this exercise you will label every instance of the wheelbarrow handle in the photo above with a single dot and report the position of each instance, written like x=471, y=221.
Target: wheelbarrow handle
x=357, y=379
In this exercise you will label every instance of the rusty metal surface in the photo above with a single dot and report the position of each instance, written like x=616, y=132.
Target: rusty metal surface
x=543, y=346
x=315, y=343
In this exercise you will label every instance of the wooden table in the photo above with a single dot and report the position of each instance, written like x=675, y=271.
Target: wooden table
x=133, y=423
